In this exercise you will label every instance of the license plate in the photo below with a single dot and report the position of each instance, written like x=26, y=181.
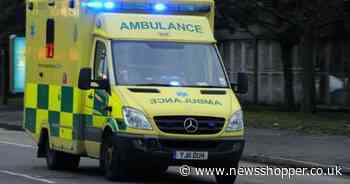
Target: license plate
x=190, y=155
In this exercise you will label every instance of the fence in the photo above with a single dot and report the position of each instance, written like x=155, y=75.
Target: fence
x=261, y=59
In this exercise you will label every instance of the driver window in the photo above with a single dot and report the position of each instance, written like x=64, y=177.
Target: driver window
x=100, y=62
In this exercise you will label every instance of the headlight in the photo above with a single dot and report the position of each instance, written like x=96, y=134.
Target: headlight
x=136, y=119
x=236, y=122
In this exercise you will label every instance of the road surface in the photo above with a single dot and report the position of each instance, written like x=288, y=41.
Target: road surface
x=18, y=165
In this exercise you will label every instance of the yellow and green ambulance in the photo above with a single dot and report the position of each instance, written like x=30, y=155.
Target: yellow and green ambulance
x=137, y=84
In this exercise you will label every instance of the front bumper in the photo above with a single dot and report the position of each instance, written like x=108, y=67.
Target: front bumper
x=143, y=151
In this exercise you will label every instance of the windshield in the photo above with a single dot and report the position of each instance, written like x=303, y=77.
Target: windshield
x=167, y=64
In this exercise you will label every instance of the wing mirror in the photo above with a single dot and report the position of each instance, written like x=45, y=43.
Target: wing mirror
x=85, y=82
x=242, y=83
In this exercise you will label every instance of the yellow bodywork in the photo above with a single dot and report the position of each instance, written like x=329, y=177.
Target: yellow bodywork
x=167, y=103
x=54, y=102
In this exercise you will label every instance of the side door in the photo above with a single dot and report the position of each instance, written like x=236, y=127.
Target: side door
x=97, y=100
x=101, y=72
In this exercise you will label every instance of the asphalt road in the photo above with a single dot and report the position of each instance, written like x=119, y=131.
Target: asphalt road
x=18, y=165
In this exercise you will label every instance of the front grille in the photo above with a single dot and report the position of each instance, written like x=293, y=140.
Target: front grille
x=175, y=124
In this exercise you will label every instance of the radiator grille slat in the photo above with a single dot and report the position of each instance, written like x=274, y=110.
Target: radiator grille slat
x=175, y=124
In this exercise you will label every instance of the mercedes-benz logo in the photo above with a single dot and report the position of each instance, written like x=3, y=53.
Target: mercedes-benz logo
x=191, y=125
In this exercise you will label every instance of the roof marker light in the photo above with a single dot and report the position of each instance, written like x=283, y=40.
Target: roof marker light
x=109, y=5
x=160, y=7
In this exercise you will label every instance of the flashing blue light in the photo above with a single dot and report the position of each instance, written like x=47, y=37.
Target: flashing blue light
x=175, y=83
x=109, y=5
x=160, y=7
x=94, y=4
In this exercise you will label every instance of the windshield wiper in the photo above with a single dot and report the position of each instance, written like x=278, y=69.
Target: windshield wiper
x=204, y=86
x=169, y=85
x=154, y=84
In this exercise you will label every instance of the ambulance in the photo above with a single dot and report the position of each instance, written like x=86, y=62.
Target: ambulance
x=137, y=84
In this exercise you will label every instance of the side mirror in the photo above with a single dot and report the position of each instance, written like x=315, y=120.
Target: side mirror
x=85, y=82
x=242, y=83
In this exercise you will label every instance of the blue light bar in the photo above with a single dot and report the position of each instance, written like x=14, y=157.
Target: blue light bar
x=138, y=7
x=120, y=6
x=94, y=5
x=160, y=7
x=193, y=8
x=109, y=5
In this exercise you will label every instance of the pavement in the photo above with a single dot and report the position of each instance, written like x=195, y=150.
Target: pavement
x=11, y=117
x=266, y=146
x=288, y=148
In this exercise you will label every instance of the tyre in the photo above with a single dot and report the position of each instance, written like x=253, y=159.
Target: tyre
x=114, y=167
x=70, y=162
x=57, y=160
x=158, y=170
x=151, y=171
x=223, y=179
x=53, y=158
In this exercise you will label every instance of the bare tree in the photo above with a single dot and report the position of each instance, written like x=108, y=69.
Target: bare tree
x=291, y=22
x=12, y=18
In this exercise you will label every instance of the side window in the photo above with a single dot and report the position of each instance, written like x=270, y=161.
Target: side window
x=71, y=4
x=30, y=5
x=50, y=38
x=100, y=62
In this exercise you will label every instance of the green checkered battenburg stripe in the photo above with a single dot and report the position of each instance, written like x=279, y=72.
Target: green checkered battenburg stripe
x=55, y=105
x=42, y=112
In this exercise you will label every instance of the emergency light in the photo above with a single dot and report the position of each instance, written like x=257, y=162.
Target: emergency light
x=109, y=5
x=120, y=6
x=159, y=7
x=94, y=5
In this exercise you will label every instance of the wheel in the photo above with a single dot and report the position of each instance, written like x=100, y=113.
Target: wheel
x=151, y=171
x=53, y=158
x=113, y=166
x=57, y=160
x=223, y=179
x=158, y=170
x=70, y=162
